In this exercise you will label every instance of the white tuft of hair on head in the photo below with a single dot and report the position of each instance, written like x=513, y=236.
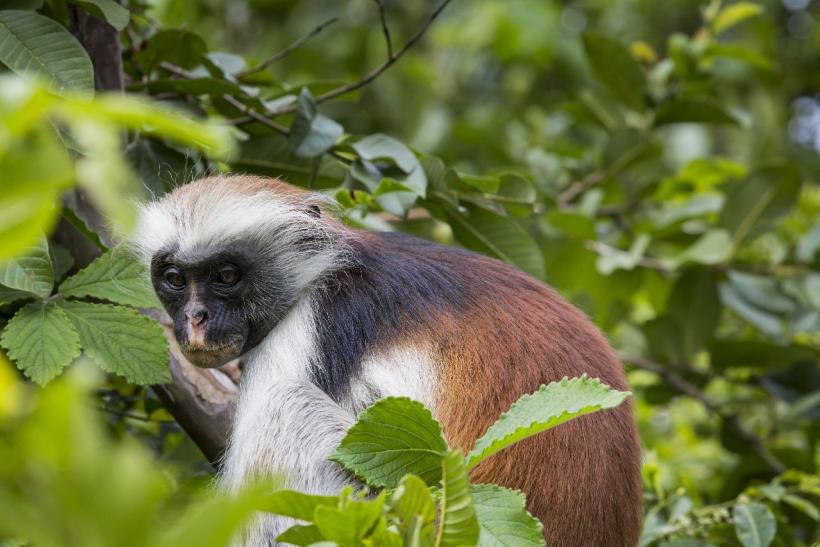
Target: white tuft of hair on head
x=218, y=210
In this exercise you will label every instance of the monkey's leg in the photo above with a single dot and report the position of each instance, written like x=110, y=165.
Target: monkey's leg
x=285, y=430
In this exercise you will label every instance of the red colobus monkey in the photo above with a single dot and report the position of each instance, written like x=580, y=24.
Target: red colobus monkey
x=330, y=319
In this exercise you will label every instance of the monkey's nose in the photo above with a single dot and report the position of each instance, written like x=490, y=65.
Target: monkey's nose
x=197, y=315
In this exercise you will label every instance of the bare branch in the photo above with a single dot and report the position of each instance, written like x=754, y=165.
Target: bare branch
x=256, y=116
x=385, y=28
x=680, y=384
x=376, y=72
x=275, y=58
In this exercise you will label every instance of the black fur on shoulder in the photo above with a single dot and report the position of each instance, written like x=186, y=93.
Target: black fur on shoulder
x=395, y=285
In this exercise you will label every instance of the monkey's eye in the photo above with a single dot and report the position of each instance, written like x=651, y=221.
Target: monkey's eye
x=173, y=276
x=228, y=275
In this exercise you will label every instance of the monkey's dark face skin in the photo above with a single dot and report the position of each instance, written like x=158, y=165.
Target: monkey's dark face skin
x=208, y=298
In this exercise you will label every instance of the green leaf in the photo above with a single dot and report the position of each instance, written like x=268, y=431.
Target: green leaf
x=36, y=167
x=116, y=276
x=692, y=111
x=7, y=295
x=414, y=505
x=312, y=134
x=41, y=341
x=34, y=45
x=548, y=407
x=121, y=341
x=735, y=14
x=458, y=525
x=212, y=520
x=107, y=10
x=31, y=272
x=695, y=305
x=756, y=203
x=381, y=147
x=503, y=518
x=755, y=525
x=298, y=505
x=496, y=236
x=349, y=523
x=180, y=47
x=393, y=437
x=614, y=66
x=713, y=247
x=300, y=534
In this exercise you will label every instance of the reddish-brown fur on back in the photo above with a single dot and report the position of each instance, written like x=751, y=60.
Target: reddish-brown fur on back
x=582, y=479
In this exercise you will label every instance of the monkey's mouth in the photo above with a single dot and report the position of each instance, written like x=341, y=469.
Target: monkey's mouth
x=212, y=355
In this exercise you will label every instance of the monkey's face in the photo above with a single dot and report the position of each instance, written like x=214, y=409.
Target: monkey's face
x=208, y=298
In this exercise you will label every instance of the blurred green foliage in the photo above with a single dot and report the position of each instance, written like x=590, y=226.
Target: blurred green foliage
x=656, y=162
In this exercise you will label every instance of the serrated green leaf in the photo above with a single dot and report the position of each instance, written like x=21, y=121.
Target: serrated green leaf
x=300, y=534
x=392, y=438
x=41, y=341
x=34, y=45
x=503, y=518
x=31, y=272
x=755, y=525
x=614, y=66
x=312, y=134
x=116, y=276
x=548, y=407
x=7, y=295
x=107, y=10
x=121, y=341
x=298, y=505
x=458, y=525
x=349, y=523
x=735, y=14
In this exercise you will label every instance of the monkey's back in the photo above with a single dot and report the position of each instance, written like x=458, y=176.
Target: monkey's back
x=495, y=333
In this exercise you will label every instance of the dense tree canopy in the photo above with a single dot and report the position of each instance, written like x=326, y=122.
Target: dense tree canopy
x=656, y=162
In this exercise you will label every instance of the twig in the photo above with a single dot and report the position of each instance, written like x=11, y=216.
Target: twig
x=376, y=72
x=677, y=382
x=250, y=112
x=580, y=186
x=239, y=105
x=285, y=52
x=385, y=28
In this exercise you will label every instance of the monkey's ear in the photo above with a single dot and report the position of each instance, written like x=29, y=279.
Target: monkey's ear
x=314, y=211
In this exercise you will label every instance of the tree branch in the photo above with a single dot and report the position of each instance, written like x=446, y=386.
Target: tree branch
x=376, y=72
x=285, y=52
x=385, y=28
x=680, y=384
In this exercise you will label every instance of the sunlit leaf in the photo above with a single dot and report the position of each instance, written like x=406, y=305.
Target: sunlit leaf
x=548, y=407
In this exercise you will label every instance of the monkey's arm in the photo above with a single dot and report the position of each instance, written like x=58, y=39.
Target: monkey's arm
x=288, y=429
